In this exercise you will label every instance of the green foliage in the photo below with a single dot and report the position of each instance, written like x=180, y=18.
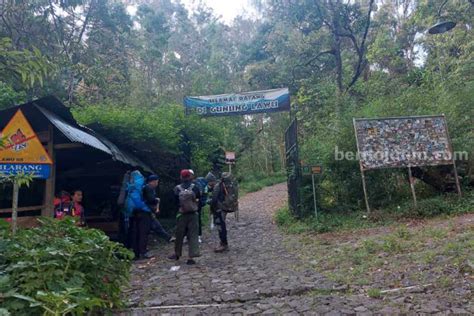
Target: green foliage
x=160, y=134
x=353, y=220
x=30, y=66
x=326, y=222
x=436, y=206
x=137, y=125
x=10, y=97
x=22, y=178
x=340, y=59
x=255, y=182
x=59, y=268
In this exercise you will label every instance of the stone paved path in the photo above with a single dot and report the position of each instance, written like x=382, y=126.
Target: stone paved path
x=259, y=275
x=254, y=276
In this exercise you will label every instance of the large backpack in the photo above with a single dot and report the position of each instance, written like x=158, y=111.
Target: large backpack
x=187, y=199
x=123, y=190
x=230, y=188
x=136, y=183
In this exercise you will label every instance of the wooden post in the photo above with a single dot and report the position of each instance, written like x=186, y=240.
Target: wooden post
x=51, y=181
x=16, y=191
x=458, y=186
x=314, y=197
x=364, y=187
x=412, y=186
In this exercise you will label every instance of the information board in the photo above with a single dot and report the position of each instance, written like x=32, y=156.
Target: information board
x=402, y=142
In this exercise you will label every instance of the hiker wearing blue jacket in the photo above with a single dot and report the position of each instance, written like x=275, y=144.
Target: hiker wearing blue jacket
x=140, y=216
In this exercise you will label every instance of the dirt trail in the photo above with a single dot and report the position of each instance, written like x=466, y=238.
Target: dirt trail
x=259, y=275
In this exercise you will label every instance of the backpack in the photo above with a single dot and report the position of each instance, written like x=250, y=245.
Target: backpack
x=123, y=190
x=63, y=209
x=230, y=188
x=201, y=184
x=187, y=199
x=136, y=183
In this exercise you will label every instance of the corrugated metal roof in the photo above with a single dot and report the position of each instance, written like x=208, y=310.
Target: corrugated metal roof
x=121, y=155
x=86, y=136
x=60, y=116
x=74, y=134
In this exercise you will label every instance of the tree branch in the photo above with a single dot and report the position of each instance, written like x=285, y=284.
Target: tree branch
x=326, y=52
x=361, y=52
x=86, y=21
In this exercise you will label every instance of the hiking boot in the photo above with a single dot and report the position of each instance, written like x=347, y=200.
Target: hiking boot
x=173, y=257
x=146, y=256
x=190, y=262
x=221, y=248
x=172, y=238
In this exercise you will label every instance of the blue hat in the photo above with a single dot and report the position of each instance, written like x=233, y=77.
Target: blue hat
x=152, y=177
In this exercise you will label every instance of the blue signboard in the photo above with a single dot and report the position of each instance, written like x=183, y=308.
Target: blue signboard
x=38, y=171
x=246, y=103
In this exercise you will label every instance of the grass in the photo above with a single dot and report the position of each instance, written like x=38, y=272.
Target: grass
x=347, y=221
x=258, y=182
x=438, y=254
x=325, y=222
x=374, y=293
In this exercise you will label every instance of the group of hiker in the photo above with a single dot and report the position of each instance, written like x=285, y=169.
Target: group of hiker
x=141, y=205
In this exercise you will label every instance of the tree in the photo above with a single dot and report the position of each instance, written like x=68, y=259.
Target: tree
x=22, y=66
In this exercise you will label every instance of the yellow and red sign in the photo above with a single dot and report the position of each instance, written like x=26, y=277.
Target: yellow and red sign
x=21, y=150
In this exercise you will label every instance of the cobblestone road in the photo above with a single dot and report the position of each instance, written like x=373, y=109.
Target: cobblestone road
x=259, y=275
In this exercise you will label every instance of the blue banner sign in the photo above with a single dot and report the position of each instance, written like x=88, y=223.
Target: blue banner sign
x=245, y=103
x=38, y=171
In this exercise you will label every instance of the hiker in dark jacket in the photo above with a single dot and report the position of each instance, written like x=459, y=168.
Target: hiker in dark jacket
x=218, y=215
x=187, y=197
x=149, y=196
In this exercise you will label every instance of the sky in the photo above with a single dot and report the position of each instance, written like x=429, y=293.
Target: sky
x=228, y=9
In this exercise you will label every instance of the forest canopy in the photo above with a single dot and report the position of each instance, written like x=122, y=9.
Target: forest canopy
x=127, y=74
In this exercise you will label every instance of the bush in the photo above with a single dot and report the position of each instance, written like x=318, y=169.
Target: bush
x=59, y=268
x=325, y=222
x=441, y=205
x=328, y=221
x=253, y=183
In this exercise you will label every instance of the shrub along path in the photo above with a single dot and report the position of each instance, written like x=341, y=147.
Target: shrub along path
x=268, y=272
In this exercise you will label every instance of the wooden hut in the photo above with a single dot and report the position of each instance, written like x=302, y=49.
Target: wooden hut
x=82, y=159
